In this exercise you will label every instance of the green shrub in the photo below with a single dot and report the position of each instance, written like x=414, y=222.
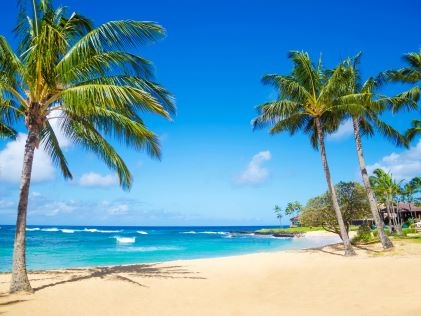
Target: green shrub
x=363, y=233
x=412, y=225
x=376, y=232
x=406, y=231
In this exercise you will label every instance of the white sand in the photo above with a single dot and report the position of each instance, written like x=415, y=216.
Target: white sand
x=311, y=282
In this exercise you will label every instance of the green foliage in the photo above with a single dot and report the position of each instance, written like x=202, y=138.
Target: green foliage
x=409, y=74
x=364, y=104
x=293, y=208
x=352, y=199
x=306, y=96
x=83, y=77
x=279, y=213
x=363, y=234
x=406, y=231
x=376, y=232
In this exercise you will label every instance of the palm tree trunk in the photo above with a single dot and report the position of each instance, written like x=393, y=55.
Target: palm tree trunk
x=20, y=281
x=386, y=243
x=389, y=215
x=398, y=221
x=349, y=251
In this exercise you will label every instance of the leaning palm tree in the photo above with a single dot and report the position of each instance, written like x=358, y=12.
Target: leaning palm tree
x=83, y=77
x=368, y=105
x=306, y=102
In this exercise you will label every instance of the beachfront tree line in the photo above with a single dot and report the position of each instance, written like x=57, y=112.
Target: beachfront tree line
x=316, y=101
x=85, y=79
x=354, y=204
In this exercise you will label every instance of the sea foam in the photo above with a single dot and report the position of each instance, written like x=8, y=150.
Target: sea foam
x=32, y=229
x=142, y=232
x=94, y=230
x=125, y=240
x=68, y=231
x=50, y=229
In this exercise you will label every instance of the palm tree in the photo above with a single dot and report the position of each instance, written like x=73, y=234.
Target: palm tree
x=279, y=214
x=368, y=105
x=409, y=74
x=306, y=101
x=83, y=77
x=293, y=207
x=409, y=191
x=387, y=189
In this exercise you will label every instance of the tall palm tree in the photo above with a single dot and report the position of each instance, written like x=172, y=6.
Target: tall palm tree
x=306, y=101
x=409, y=74
x=83, y=77
x=368, y=105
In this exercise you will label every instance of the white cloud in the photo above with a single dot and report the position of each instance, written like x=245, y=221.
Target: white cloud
x=11, y=161
x=402, y=166
x=11, y=157
x=345, y=130
x=120, y=209
x=55, y=208
x=93, y=179
x=255, y=173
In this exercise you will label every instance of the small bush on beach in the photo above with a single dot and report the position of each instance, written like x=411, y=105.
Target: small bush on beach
x=376, y=232
x=406, y=231
x=363, y=234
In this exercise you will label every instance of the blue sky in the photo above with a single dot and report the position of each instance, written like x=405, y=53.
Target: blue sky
x=214, y=169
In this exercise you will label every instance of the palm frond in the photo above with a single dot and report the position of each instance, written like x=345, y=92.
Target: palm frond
x=52, y=148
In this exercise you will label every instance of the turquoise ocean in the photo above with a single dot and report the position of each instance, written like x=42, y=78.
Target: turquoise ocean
x=52, y=247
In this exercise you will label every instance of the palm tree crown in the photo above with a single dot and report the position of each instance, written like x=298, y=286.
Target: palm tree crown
x=409, y=74
x=83, y=77
x=308, y=93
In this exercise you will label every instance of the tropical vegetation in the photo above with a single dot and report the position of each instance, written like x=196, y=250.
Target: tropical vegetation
x=352, y=199
x=85, y=79
x=307, y=102
x=367, y=105
x=317, y=101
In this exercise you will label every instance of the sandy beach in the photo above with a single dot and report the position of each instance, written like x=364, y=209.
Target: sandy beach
x=306, y=282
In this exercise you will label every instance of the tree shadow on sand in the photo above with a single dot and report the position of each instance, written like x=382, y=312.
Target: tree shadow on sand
x=128, y=273
x=124, y=273
x=338, y=249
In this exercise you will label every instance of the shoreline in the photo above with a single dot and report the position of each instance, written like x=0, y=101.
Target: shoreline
x=290, y=282
x=313, y=234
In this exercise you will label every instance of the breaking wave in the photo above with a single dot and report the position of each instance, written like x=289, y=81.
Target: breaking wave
x=125, y=240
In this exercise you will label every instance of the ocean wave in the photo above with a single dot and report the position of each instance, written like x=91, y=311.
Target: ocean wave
x=142, y=232
x=150, y=249
x=94, y=230
x=50, y=229
x=206, y=232
x=125, y=240
x=214, y=233
x=67, y=231
x=33, y=229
